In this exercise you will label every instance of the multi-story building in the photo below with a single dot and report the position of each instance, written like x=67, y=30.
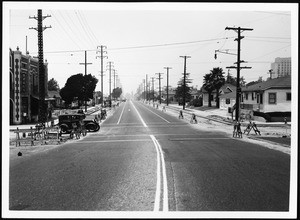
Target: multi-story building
x=281, y=67
x=24, y=87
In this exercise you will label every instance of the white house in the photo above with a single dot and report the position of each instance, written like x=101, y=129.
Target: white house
x=271, y=98
x=273, y=95
x=225, y=89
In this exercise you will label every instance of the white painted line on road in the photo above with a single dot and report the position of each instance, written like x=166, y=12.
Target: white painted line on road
x=164, y=174
x=139, y=114
x=158, y=180
x=121, y=114
x=191, y=139
x=156, y=114
x=110, y=141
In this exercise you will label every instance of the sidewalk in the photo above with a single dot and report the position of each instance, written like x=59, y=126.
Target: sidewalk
x=275, y=135
x=224, y=115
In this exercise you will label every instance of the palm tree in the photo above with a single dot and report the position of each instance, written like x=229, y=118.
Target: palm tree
x=208, y=86
x=218, y=82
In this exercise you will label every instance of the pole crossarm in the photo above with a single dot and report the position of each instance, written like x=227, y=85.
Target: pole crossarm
x=101, y=71
x=238, y=67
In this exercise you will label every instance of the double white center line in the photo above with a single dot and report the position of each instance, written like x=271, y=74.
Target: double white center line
x=161, y=172
x=161, y=168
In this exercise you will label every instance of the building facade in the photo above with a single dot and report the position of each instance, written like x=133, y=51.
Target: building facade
x=24, y=87
x=281, y=67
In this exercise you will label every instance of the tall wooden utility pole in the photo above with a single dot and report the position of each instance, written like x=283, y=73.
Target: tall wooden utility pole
x=184, y=80
x=153, y=89
x=85, y=73
x=238, y=67
x=101, y=72
x=147, y=87
x=167, y=83
x=110, y=64
x=42, y=114
x=159, y=78
x=144, y=89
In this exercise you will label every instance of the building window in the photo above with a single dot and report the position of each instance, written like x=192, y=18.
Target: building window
x=288, y=96
x=252, y=95
x=246, y=95
x=272, y=98
x=227, y=101
x=212, y=97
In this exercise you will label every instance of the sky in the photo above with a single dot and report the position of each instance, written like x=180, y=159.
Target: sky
x=143, y=38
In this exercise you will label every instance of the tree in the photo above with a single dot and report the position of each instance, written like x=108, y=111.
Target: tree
x=179, y=92
x=78, y=87
x=232, y=80
x=116, y=92
x=53, y=85
x=218, y=81
x=183, y=90
x=208, y=86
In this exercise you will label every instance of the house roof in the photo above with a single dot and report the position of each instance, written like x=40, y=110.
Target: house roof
x=281, y=82
x=228, y=95
x=51, y=94
x=225, y=88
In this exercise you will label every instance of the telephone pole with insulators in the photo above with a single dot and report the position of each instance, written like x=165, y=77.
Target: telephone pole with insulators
x=184, y=80
x=85, y=73
x=167, y=83
x=101, y=72
x=42, y=114
x=238, y=67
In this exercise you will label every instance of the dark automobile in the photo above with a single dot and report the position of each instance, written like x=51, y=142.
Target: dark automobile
x=91, y=124
x=69, y=122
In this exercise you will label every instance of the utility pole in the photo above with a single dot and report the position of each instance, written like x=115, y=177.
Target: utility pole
x=147, y=87
x=42, y=117
x=238, y=89
x=114, y=79
x=184, y=80
x=85, y=70
x=101, y=72
x=167, y=83
x=159, y=78
x=110, y=66
x=144, y=89
x=153, y=89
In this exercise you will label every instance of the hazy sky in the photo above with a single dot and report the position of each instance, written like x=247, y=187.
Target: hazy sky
x=143, y=38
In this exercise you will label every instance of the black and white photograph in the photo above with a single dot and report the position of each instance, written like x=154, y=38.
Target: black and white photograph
x=149, y=109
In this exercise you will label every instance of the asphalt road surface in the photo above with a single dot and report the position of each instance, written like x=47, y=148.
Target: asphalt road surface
x=143, y=159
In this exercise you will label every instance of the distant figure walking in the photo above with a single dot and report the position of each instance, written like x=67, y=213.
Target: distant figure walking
x=180, y=114
x=193, y=119
x=164, y=108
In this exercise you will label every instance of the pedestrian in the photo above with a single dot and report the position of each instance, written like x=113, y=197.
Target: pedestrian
x=180, y=114
x=194, y=119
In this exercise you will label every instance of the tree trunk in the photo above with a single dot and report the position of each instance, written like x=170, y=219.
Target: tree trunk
x=217, y=99
x=209, y=100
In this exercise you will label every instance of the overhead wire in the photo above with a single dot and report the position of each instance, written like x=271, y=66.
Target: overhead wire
x=89, y=28
x=83, y=28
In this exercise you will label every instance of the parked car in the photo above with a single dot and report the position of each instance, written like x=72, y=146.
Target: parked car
x=71, y=122
x=91, y=124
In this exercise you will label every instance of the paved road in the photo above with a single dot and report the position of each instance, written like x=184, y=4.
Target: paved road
x=145, y=160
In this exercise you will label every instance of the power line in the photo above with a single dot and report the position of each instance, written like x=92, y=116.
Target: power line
x=89, y=28
x=83, y=27
x=145, y=46
x=65, y=30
